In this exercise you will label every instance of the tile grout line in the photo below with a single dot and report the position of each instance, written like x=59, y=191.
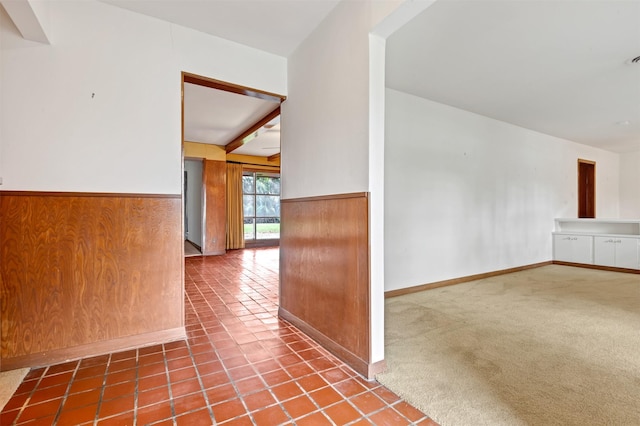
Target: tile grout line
x=66, y=393
x=104, y=385
x=256, y=374
x=136, y=388
x=25, y=404
x=166, y=372
x=232, y=381
x=239, y=395
x=202, y=389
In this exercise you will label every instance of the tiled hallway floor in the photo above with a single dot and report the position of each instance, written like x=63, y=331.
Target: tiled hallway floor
x=240, y=365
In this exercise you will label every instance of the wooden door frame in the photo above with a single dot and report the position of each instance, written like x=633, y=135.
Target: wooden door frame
x=590, y=197
x=225, y=86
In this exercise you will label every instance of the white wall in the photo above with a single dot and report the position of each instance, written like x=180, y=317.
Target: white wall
x=99, y=109
x=325, y=118
x=630, y=185
x=325, y=131
x=193, y=201
x=465, y=194
x=4, y=22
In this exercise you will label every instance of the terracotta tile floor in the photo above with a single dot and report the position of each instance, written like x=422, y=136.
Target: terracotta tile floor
x=240, y=365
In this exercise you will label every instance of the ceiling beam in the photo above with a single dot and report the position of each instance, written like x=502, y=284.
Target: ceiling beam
x=28, y=16
x=273, y=157
x=239, y=141
x=233, y=88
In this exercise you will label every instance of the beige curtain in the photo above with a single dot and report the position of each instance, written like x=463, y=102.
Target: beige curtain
x=235, y=216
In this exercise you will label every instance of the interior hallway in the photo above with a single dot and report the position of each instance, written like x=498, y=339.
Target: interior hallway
x=240, y=365
x=190, y=249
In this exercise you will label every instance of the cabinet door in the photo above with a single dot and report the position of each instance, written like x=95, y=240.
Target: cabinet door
x=627, y=253
x=573, y=248
x=604, y=251
x=562, y=248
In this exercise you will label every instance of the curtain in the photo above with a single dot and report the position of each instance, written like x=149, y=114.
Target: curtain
x=235, y=216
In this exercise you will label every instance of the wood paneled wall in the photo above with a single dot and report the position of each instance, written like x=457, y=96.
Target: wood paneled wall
x=214, y=174
x=87, y=273
x=324, y=273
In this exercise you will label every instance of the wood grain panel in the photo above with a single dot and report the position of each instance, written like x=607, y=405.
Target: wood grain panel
x=56, y=356
x=81, y=269
x=586, y=189
x=214, y=174
x=230, y=87
x=324, y=272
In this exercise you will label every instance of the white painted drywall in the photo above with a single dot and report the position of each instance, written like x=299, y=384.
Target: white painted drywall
x=630, y=185
x=386, y=18
x=100, y=109
x=41, y=11
x=4, y=22
x=30, y=17
x=325, y=120
x=376, y=190
x=325, y=138
x=465, y=194
x=193, y=201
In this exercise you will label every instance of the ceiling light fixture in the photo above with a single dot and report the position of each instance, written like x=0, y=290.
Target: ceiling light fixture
x=265, y=128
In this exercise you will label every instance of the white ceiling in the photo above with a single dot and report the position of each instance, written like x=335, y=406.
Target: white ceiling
x=560, y=67
x=275, y=26
x=265, y=144
x=557, y=67
x=217, y=117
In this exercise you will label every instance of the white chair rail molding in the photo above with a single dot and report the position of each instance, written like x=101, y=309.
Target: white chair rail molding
x=611, y=243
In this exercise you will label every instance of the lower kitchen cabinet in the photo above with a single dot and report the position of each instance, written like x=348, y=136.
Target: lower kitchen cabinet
x=620, y=252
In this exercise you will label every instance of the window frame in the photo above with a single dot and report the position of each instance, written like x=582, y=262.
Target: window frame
x=255, y=241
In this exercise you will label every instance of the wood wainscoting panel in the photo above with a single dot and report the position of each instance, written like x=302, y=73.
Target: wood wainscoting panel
x=214, y=175
x=77, y=269
x=324, y=272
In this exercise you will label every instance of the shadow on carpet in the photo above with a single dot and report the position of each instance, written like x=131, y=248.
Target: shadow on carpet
x=549, y=346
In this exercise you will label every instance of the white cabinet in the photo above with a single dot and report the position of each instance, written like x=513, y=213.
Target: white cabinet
x=573, y=248
x=604, y=242
x=620, y=252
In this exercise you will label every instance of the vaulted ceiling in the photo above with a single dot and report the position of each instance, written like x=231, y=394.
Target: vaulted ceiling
x=558, y=67
x=275, y=26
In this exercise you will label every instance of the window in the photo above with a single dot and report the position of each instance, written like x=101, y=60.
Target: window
x=261, y=205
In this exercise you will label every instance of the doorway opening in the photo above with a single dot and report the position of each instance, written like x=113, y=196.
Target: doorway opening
x=227, y=131
x=192, y=207
x=586, y=189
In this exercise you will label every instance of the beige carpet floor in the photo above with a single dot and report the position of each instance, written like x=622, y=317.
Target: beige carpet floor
x=549, y=346
x=9, y=382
